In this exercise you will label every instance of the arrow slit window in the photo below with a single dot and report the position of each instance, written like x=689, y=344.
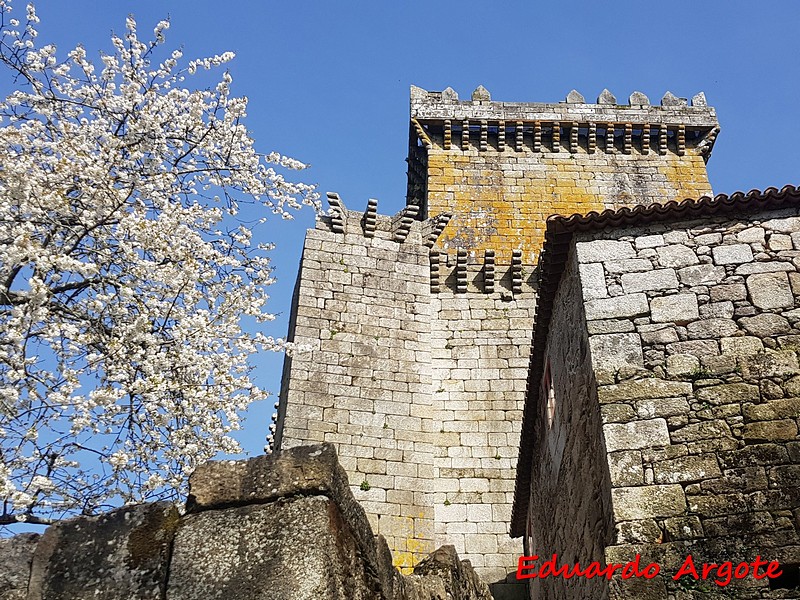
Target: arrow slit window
x=549, y=395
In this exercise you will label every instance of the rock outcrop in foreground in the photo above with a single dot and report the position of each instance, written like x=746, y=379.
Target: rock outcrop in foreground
x=283, y=527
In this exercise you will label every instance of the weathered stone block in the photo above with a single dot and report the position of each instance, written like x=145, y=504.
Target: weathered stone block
x=684, y=528
x=616, y=413
x=728, y=393
x=763, y=267
x=770, y=290
x=628, y=265
x=740, y=479
x=658, y=334
x=786, y=476
x=651, y=408
x=792, y=386
x=686, y=469
x=122, y=554
x=733, y=291
x=678, y=308
x=292, y=472
x=708, y=239
x=769, y=364
x=647, y=502
x=755, y=454
x=660, y=279
x=732, y=254
x=718, y=504
x=603, y=250
x=779, y=242
x=751, y=235
x=676, y=256
x=770, y=431
x=679, y=365
x=703, y=430
x=632, y=305
x=784, y=408
x=636, y=435
x=593, y=281
x=766, y=325
x=262, y=479
x=719, y=365
x=649, y=241
x=443, y=575
x=639, y=532
x=676, y=236
x=16, y=555
x=717, y=310
x=293, y=549
x=712, y=328
x=610, y=326
x=626, y=468
x=643, y=388
x=783, y=225
x=615, y=350
x=741, y=346
x=701, y=275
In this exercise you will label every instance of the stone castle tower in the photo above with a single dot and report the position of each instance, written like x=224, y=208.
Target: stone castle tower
x=418, y=326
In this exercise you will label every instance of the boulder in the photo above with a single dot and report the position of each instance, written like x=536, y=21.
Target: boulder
x=16, y=555
x=443, y=576
x=122, y=554
x=297, y=548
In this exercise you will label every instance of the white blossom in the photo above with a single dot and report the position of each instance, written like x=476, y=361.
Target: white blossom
x=124, y=273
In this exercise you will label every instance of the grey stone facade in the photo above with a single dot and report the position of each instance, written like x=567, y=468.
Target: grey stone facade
x=570, y=510
x=700, y=445
x=421, y=391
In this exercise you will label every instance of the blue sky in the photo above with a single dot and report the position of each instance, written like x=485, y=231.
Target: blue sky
x=328, y=82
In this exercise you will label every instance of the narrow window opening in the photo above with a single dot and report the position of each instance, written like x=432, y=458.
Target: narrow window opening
x=549, y=395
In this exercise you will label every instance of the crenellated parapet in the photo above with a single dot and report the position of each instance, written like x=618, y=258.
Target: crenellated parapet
x=443, y=121
x=370, y=224
x=459, y=273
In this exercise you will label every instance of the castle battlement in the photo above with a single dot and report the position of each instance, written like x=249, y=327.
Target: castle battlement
x=501, y=168
x=481, y=115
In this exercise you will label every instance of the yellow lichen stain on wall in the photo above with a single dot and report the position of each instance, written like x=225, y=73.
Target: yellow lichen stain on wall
x=499, y=207
x=501, y=200
x=412, y=551
x=688, y=175
x=410, y=538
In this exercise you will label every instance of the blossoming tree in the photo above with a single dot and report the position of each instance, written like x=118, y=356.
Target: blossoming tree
x=125, y=273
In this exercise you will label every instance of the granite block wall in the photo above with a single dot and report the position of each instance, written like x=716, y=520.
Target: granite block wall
x=362, y=378
x=419, y=385
x=480, y=345
x=570, y=501
x=694, y=332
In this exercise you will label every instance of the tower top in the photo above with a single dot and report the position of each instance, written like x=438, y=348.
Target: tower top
x=693, y=114
x=501, y=168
